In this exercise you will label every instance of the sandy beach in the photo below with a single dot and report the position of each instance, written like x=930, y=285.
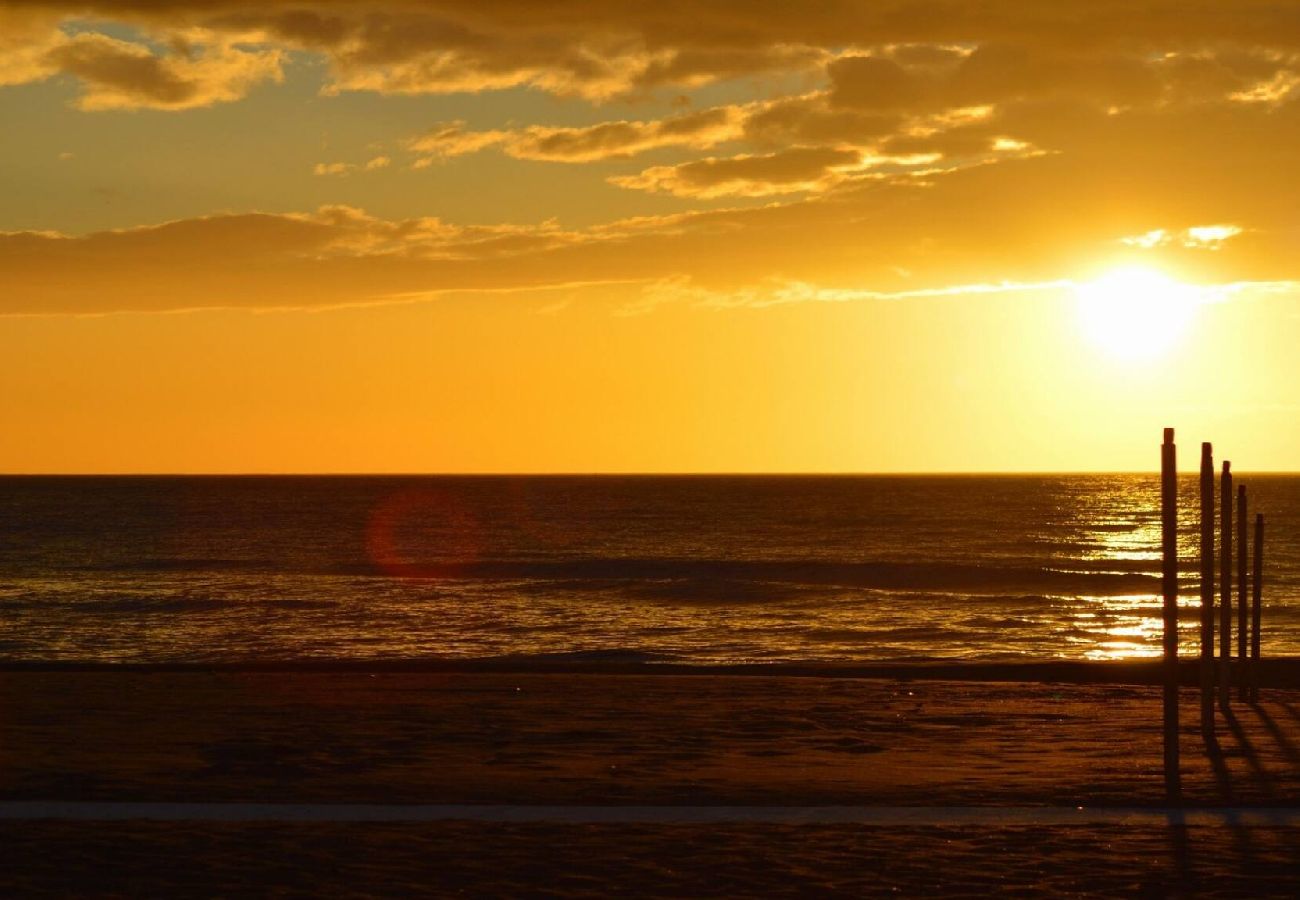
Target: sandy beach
x=702, y=740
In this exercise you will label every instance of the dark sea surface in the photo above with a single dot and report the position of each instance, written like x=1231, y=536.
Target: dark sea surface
x=677, y=569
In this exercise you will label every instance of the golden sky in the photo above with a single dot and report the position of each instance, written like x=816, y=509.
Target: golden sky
x=583, y=236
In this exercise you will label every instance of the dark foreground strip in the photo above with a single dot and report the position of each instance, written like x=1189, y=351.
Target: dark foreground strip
x=650, y=815
x=1279, y=672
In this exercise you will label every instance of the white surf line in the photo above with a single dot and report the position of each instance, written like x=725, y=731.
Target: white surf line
x=96, y=811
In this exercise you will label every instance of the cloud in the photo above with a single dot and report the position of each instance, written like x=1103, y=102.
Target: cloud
x=1200, y=236
x=26, y=38
x=118, y=74
x=789, y=171
x=779, y=292
x=963, y=227
x=878, y=85
x=902, y=57
x=804, y=120
x=606, y=140
x=810, y=119
x=997, y=73
x=575, y=49
x=197, y=68
x=455, y=139
x=338, y=255
x=908, y=104
x=697, y=66
x=613, y=140
x=964, y=144
x=344, y=168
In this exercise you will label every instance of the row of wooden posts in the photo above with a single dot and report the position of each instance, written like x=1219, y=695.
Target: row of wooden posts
x=1244, y=671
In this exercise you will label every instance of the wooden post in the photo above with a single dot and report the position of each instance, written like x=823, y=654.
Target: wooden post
x=1207, y=588
x=1257, y=594
x=1169, y=585
x=1243, y=610
x=1225, y=581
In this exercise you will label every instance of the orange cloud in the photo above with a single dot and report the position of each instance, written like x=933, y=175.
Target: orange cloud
x=900, y=104
x=607, y=140
x=1027, y=219
x=27, y=36
x=902, y=58
x=344, y=168
x=1001, y=141
x=120, y=75
x=198, y=68
x=811, y=120
x=617, y=47
x=455, y=139
x=789, y=171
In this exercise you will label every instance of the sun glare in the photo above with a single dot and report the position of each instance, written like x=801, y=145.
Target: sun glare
x=1135, y=313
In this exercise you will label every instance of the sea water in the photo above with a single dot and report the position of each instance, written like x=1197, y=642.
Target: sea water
x=697, y=569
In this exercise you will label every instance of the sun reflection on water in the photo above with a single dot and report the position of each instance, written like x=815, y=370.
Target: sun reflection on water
x=1117, y=534
x=1124, y=540
x=1124, y=627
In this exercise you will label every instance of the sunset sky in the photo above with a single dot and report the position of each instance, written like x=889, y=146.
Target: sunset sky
x=582, y=236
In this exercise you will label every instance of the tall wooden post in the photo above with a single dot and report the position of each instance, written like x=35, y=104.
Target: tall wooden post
x=1257, y=594
x=1169, y=586
x=1207, y=588
x=1243, y=610
x=1225, y=594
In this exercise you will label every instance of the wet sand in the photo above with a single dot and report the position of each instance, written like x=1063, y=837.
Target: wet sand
x=645, y=740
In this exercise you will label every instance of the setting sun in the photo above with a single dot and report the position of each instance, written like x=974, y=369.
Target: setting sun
x=1135, y=313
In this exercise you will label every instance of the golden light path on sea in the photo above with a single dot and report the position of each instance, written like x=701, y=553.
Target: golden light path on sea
x=1125, y=626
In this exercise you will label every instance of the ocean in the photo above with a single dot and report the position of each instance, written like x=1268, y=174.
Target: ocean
x=694, y=569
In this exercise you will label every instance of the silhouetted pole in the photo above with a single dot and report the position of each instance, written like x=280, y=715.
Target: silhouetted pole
x=1169, y=584
x=1243, y=611
x=1225, y=575
x=1257, y=594
x=1207, y=588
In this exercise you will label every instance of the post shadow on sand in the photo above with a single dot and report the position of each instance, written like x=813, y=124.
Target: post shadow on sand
x=1270, y=790
x=1265, y=779
x=1245, y=837
x=1180, y=848
x=1216, y=675
x=1289, y=749
x=1290, y=710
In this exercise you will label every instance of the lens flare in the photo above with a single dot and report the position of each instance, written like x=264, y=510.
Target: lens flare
x=422, y=533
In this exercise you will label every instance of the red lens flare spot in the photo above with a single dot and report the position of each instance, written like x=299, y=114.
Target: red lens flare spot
x=422, y=533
